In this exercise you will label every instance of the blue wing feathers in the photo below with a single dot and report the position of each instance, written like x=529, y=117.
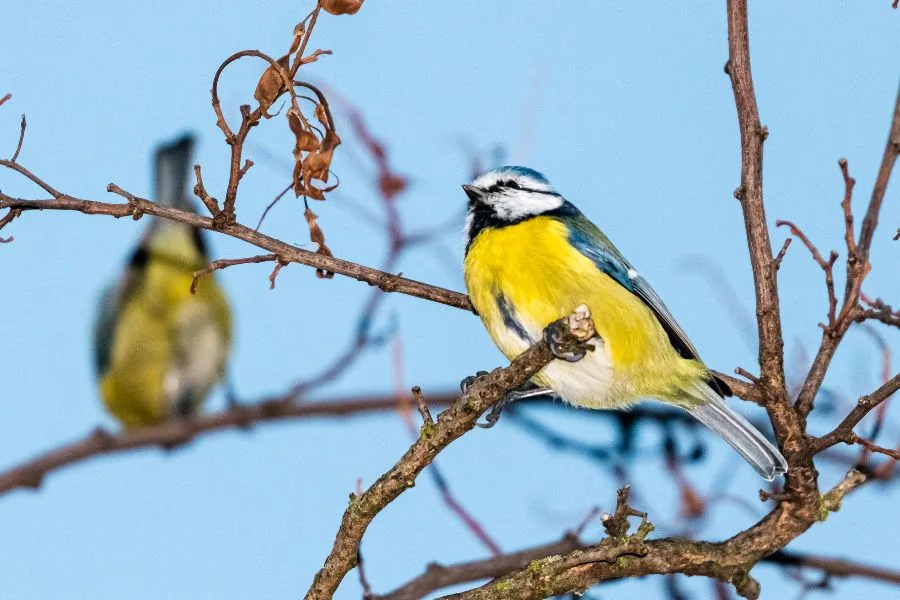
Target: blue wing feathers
x=592, y=243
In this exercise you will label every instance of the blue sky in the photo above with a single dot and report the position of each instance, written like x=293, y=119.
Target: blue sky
x=625, y=108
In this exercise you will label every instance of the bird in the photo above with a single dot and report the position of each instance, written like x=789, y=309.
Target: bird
x=532, y=257
x=158, y=348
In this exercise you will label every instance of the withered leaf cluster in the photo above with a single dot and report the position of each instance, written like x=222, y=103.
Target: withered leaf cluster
x=341, y=7
x=317, y=236
x=314, y=145
x=315, y=138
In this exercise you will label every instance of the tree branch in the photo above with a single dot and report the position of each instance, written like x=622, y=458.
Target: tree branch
x=858, y=266
x=891, y=150
x=844, y=431
x=136, y=207
x=174, y=434
x=437, y=576
x=450, y=425
x=750, y=194
x=835, y=567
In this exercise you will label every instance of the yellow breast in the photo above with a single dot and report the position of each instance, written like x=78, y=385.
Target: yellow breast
x=541, y=277
x=165, y=340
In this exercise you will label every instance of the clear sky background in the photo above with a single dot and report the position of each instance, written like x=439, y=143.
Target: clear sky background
x=625, y=108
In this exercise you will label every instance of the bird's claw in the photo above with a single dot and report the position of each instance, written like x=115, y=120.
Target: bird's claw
x=529, y=390
x=494, y=416
x=467, y=382
x=557, y=337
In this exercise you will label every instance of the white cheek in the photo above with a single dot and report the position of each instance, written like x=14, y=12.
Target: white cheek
x=524, y=204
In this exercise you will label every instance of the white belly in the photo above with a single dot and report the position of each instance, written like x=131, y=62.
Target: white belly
x=590, y=382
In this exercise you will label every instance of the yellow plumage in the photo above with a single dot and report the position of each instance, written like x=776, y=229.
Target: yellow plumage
x=543, y=277
x=168, y=346
x=159, y=348
x=532, y=258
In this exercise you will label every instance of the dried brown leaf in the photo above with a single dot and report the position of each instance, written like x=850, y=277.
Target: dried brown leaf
x=317, y=164
x=322, y=115
x=306, y=140
x=316, y=235
x=271, y=85
x=341, y=7
x=299, y=30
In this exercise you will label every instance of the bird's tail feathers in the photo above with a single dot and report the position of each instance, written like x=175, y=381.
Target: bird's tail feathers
x=740, y=434
x=173, y=166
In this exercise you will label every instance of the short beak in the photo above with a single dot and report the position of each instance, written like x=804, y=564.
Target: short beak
x=475, y=194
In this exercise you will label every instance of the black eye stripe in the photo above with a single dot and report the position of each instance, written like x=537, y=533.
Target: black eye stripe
x=511, y=184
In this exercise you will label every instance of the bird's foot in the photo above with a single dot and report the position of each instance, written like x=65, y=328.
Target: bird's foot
x=529, y=390
x=467, y=382
x=559, y=338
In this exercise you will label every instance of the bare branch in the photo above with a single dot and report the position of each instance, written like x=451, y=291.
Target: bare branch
x=438, y=576
x=827, y=266
x=891, y=150
x=224, y=263
x=173, y=434
x=750, y=194
x=212, y=205
x=136, y=207
x=22, y=127
x=421, y=405
x=451, y=424
x=835, y=567
x=858, y=267
x=782, y=252
x=844, y=431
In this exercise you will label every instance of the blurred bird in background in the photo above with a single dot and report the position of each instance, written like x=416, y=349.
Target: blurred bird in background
x=158, y=348
x=532, y=258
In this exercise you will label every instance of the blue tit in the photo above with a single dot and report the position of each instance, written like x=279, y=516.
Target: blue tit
x=158, y=348
x=532, y=257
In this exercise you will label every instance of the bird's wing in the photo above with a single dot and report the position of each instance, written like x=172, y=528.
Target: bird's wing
x=592, y=243
x=111, y=302
x=104, y=328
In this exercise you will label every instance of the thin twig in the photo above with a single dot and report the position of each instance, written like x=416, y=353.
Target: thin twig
x=844, y=431
x=889, y=158
x=280, y=195
x=212, y=205
x=22, y=127
x=826, y=265
x=224, y=263
x=847, y=206
x=782, y=252
x=858, y=267
x=422, y=406
x=280, y=264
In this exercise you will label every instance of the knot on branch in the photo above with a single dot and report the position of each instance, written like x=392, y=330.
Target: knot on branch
x=223, y=220
x=616, y=524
